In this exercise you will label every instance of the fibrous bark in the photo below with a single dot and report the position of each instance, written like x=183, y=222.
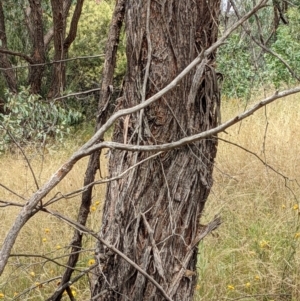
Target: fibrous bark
x=152, y=214
x=5, y=63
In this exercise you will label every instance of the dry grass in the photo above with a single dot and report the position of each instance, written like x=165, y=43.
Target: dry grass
x=252, y=256
x=44, y=234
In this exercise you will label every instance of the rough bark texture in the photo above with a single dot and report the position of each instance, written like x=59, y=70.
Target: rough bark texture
x=152, y=214
x=5, y=63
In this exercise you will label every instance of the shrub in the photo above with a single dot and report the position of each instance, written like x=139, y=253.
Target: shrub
x=30, y=119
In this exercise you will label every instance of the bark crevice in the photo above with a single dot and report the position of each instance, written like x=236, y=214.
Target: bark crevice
x=152, y=214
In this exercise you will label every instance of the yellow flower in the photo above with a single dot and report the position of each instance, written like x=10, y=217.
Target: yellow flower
x=93, y=208
x=32, y=274
x=264, y=244
x=248, y=284
x=97, y=203
x=58, y=247
x=91, y=262
x=44, y=239
x=2, y=295
x=198, y=287
x=230, y=287
x=283, y=206
x=257, y=277
x=16, y=294
x=74, y=293
x=296, y=207
x=297, y=235
x=47, y=230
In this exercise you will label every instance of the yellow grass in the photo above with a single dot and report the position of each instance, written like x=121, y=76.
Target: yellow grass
x=254, y=255
x=44, y=234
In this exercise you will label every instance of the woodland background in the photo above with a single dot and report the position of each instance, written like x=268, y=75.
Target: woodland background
x=254, y=254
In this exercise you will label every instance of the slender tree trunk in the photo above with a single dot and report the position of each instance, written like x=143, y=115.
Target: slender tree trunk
x=59, y=27
x=152, y=214
x=60, y=9
x=37, y=66
x=93, y=164
x=5, y=63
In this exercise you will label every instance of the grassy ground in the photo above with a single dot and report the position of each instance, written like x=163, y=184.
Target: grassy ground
x=44, y=234
x=254, y=255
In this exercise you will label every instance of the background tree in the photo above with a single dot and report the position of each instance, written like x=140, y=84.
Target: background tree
x=43, y=25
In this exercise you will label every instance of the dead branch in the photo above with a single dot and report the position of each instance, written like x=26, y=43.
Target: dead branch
x=87, y=148
x=84, y=229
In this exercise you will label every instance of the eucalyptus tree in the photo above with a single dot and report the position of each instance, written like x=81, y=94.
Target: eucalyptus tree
x=39, y=24
x=162, y=155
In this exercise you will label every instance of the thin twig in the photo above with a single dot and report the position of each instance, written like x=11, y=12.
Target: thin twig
x=25, y=157
x=111, y=247
x=87, y=148
x=11, y=191
x=9, y=203
x=104, y=181
x=54, y=62
x=34, y=287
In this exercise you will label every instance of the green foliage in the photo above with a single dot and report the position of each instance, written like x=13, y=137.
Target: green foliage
x=30, y=119
x=247, y=68
x=236, y=63
x=91, y=38
x=287, y=45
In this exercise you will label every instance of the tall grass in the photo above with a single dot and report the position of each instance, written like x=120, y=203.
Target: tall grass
x=27, y=277
x=254, y=255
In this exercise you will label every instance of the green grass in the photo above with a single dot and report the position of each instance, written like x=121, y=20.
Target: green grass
x=254, y=255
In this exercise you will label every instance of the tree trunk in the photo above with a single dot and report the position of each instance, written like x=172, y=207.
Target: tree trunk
x=93, y=164
x=37, y=67
x=152, y=214
x=5, y=63
x=60, y=10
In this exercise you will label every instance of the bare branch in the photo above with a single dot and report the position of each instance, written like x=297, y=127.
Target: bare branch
x=74, y=23
x=262, y=44
x=77, y=93
x=9, y=203
x=40, y=284
x=88, y=148
x=25, y=157
x=111, y=247
x=75, y=279
x=11, y=191
x=84, y=188
x=47, y=259
x=19, y=54
x=196, y=137
x=286, y=179
x=56, y=61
